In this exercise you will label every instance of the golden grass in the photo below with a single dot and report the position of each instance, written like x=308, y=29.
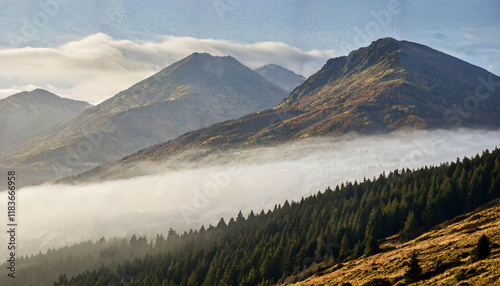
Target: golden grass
x=449, y=244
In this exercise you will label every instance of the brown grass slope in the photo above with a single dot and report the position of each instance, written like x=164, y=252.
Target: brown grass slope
x=444, y=254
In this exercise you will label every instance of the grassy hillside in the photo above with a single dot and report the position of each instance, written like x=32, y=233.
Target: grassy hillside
x=444, y=254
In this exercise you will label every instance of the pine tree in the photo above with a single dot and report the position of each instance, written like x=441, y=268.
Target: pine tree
x=62, y=280
x=265, y=268
x=370, y=242
x=221, y=224
x=414, y=271
x=371, y=245
x=410, y=229
x=344, y=247
x=240, y=218
x=482, y=249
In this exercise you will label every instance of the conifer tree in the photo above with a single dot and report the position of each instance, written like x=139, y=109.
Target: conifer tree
x=344, y=247
x=414, y=271
x=240, y=218
x=410, y=230
x=482, y=249
x=372, y=229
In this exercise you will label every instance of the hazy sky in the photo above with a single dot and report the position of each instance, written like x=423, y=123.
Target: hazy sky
x=92, y=49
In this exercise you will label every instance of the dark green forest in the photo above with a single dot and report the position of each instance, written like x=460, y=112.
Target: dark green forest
x=281, y=244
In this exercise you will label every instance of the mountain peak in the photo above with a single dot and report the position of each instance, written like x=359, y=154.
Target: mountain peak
x=377, y=51
x=192, y=93
x=385, y=41
x=380, y=44
x=26, y=114
x=274, y=66
x=36, y=94
x=386, y=86
x=197, y=54
x=41, y=90
x=207, y=56
x=392, y=84
x=283, y=77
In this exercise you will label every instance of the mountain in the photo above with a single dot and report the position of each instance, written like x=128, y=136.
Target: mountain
x=194, y=92
x=280, y=76
x=27, y=114
x=386, y=86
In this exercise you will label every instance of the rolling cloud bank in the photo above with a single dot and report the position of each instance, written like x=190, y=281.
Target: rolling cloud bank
x=97, y=67
x=219, y=185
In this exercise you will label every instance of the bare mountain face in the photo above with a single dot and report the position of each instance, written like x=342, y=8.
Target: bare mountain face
x=280, y=76
x=26, y=114
x=386, y=86
x=195, y=92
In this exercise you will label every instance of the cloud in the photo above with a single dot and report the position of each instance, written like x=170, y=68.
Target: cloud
x=97, y=67
x=222, y=184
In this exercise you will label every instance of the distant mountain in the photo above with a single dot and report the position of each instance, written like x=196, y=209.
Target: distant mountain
x=26, y=114
x=280, y=76
x=192, y=93
x=386, y=86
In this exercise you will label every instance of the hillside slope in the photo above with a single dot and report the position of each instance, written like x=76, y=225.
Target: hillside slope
x=443, y=252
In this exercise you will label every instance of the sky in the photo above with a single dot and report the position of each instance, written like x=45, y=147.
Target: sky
x=90, y=50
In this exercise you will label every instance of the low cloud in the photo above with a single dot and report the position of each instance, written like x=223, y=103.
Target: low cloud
x=222, y=184
x=98, y=66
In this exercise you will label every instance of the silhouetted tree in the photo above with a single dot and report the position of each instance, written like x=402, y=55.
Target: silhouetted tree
x=414, y=271
x=482, y=249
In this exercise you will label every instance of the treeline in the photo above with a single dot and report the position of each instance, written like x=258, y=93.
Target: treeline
x=44, y=269
x=334, y=225
x=278, y=245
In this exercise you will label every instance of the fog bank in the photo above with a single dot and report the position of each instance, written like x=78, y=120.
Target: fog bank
x=220, y=185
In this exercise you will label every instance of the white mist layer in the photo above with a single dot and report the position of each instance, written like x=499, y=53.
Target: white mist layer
x=57, y=215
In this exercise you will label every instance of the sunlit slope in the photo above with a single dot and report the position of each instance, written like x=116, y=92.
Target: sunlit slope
x=444, y=254
x=387, y=86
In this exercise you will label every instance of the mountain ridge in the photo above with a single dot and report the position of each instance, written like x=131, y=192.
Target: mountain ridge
x=386, y=86
x=27, y=114
x=194, y=92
